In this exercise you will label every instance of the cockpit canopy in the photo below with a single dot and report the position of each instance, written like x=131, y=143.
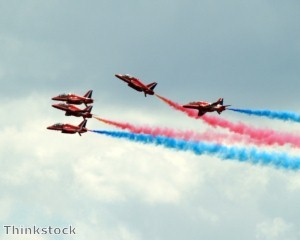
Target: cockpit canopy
x=127, y=75
x=57, y=124
x=63, y=104
x=63, y=95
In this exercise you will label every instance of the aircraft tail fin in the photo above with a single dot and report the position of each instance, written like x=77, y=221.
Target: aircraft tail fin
x=82, y=124
x=220, y=101
x=88, y=109
x=152, y=85
x=89, y=94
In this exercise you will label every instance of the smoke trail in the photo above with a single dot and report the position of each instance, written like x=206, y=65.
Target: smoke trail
x=251, y=155
x=281, y=115
x=261, y=136
x=189, y=112
x=208, y=136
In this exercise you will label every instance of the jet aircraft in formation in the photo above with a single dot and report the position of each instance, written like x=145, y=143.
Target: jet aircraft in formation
x=133, y=82
x=69, y=128
x=72, y=98
x=136, y=84
x=72, y=110
x=204, y=107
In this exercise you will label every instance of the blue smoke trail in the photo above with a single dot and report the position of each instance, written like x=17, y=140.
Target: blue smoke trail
x=281, y=115
x=251, y=155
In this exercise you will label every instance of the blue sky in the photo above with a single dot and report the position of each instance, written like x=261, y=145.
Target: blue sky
x=245, y=51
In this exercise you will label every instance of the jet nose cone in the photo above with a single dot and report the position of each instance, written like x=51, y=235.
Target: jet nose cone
x=51, y=127
x=118, y=75
x=54, y=105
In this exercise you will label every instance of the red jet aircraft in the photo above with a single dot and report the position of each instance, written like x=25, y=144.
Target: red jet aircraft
x=71, y=110
x=68, y=128
x=137, y=84
x=205, y=107
x=75, y=99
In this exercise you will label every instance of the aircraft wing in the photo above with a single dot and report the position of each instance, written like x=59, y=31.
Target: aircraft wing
x=189, y=106
x=72, y=108
x=208, y=106
x=201, y=113
x=68, y=131
x=140, y=84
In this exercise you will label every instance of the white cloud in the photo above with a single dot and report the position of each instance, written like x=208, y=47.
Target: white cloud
x=132, y=171
x=96, y=182
x=107, y=170
x=114, y=189
x=275, y=228
x=23, y=237
x=97, y=230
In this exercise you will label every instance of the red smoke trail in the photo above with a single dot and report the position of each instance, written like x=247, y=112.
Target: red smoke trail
x=189, y=112
x=185, y=135
x=261, y=136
